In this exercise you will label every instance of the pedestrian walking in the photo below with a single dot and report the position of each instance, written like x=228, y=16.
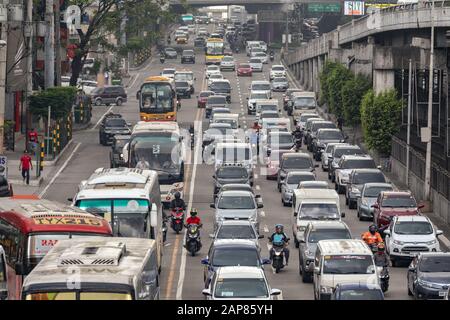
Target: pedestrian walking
x=25, y=166
x=340, y=122
x=33, y=140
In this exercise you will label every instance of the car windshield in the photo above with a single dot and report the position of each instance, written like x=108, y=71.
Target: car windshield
x=279, y=79
x=296, y=178
x=170, y=50
x=220, y=85
x=188, y=52
x=399, y=202
x=236, y=202
x=217, y=131
x=328, y=234
x=244, y=66
x=115, y=123
x=338, y=153
x=216, y=76
x=260, y=54
x=258, y=96
x=268, y=107
x=301, y=103
x=435, y=264
x=266, y=115
x=236, y=232
x=261, y=86
x=348, y=264
x=303, y=118
x=318, y=211
x=204, y=94
x=361, y=294
x=217, y=100
x=232, y=122
x=228, y=59
x=366, y=177
x=213, y=68
x=330, y=135
x=277, y=68
x=255, y=60
x=373, y=192
x=181, y=84
x=168, y=72
x=359, y=164
x=184, y=76
x=275, y=139
x=297, y=163
x=276, y=155
x=220, y=110
x=413, y=227
x=232, y=172
x=226, y=257
x=241, y=288
x=322, y=125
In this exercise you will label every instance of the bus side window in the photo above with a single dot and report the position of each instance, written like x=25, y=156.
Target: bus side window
x=10, y=240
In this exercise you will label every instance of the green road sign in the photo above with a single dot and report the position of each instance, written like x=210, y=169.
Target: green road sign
x=324, y=7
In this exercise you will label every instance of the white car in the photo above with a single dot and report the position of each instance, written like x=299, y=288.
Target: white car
x=277, y=71
x=213, y=69
x=239, y=283
x=346, y=165
x=169, y=73
x=409, y=235
x=87, y=86
x=228, y=63
x=254, y=96
x=213, y=77
x=262, y=56
x=256, y=64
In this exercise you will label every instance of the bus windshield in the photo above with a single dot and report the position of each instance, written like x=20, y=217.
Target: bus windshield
x=128, y=215
x=156, y=98
x=157, y=151
x=214, y=48
x=72, y=295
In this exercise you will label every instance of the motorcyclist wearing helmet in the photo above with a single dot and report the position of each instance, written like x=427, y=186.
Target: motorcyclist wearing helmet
x=279, y=238
x=194, y=219
x=372, y=237
x=177, y=202
x=380, y=257
x=297, y=133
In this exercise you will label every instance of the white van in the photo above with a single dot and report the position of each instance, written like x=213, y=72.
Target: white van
x=310, y=205
x=231, y=118
x=274, y=123
x=266, y=105
x=235, y=153
x=302, y=102
x=342, y=261
x=261, y=85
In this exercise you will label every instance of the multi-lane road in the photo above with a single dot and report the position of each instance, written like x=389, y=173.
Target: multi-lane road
x=182, y=275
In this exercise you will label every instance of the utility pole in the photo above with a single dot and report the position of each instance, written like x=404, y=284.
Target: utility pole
x=123, y=38
x=29, y=69
x=3, y=51
x=430, y=111
x=287, y=32
x=49, y=45
x=408, y=129
x=57, y=20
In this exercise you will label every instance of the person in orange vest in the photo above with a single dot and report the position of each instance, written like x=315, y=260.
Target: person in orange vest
x=372, y=237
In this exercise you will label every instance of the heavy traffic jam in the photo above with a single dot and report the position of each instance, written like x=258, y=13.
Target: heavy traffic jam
x=221, y=179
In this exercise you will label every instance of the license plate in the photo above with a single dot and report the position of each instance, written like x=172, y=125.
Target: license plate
x=442, y=293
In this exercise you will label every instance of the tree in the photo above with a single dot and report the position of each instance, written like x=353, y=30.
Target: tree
x=105, y=18
x=323, y=78
x=338, y=76
x=380, y=119
x=60, y=99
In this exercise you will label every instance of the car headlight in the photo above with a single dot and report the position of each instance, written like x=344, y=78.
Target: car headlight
x=322, y=145
x=429, y=284
x=431, y=242
x=365, y=203
x=282, y=174
x=400, y=243
x=309, y=254
x=301, y=228
x=326, y=289
x=355, y=190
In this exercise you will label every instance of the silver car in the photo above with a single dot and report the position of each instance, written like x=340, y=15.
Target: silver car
x=237, y=229
x=369, y=195
x=262, y=56
x=280, y=84
x=326, y=154
x=236, y=205
x=256, y=64
x=291, y=182
x=228, y=63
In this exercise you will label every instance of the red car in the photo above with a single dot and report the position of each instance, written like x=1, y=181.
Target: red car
x=244, y=69
x=393, y=203
x=203, y=97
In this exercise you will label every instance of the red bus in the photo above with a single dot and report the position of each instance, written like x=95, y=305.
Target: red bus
x=30, y=227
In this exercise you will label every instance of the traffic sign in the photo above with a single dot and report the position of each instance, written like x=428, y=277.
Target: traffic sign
x=324, y=7
x=4, y=166
x=354, y=8
x=271, y=16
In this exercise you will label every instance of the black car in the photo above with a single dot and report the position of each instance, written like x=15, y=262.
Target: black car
x=429, y=275
x=111, y=125
x=222, y=88
x=357, y=291
x=170, y=53
x=227, y=174
x=5, y=187
x=214, y=101
x=183, y=89
x=115, y=155
x=199, y=42
x=108, y=95
x=188, y=56
x=322, y=138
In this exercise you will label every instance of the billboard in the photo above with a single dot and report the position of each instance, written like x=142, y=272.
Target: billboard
x=354, y=8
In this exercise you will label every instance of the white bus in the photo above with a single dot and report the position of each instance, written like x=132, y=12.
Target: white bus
x=129, y=199
x=96, y=268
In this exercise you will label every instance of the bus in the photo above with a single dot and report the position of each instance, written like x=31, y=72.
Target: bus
x=157, y=99
x=96, y=268
x=161, y=146
x=214, y=51
x=30, y=227
x=187, y=19
x=129, y=199
x=3, y=277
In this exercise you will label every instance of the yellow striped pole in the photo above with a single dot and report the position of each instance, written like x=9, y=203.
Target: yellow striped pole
x=41, y=163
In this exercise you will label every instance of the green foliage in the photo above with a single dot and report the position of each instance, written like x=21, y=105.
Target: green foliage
x=328, y=67
x=338, y=76
x=59, y=98
x=352, y=93
x=380, y=119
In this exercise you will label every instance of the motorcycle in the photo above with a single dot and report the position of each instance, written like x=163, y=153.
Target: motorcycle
x=192, y=141
x=162, y=59
x=383, y=272
x=278, y=257
x=177, y=218
x=272, y=57
x=193, y=243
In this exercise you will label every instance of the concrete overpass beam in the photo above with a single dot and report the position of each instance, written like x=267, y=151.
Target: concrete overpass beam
x=383, y=80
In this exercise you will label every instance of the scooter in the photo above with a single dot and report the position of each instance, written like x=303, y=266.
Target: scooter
x=162, y=59
x=298, y=144
x=272, y=57
x=383, y=272
x=278, y=257
x=193, y=243
x=177, y=219
x=192, y=141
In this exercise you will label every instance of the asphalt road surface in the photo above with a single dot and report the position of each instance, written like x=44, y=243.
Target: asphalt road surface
x=182, y=275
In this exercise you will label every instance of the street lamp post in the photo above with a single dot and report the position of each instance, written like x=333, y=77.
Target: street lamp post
x=3, y=50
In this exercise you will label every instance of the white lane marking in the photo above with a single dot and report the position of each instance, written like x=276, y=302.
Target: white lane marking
x=191, y=197
x=258, y=187
x=262, y=213
x=101, y=118
x=60, y=170
x=134, y=81
x=256, y=176
x=266, y=230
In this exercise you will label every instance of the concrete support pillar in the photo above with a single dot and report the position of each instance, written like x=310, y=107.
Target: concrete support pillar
x=310, y=74
x=383, y=80
x=316, y=74
x=301, y=72
x=306, y=80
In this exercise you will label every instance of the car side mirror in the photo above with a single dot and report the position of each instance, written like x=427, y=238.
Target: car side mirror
x=261, y=236
x=412, y=268
x=376, y=206
x=421, y=206
x=19, y=268
x=212, y=205
x=439, y=232
x=387, y=232
x=211, y=236
x=70, y=199
x=260, y=205
x=205, y=261
x=138, y=94
x=316, y=270
x=379, y=167
x=275, y=292
x=206, y=292
x=258, y=196
x=316, y=166
x=247, y=98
